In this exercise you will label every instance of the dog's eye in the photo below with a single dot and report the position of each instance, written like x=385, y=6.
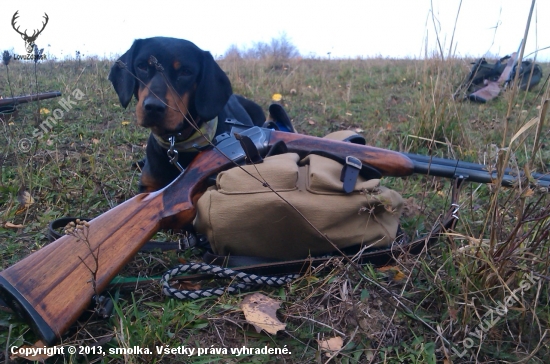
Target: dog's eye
x=185, y=72
x=142, y=66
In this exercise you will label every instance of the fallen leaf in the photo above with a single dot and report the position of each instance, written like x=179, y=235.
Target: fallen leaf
x=20, y=209
x=392, y=272
x=187, y=286
x=349, y=114
x=411, y=208
x=359, y=130
x=311, y=122
x=44, y=111
x=9, y=225
x=24, y=197
x=260, y=311
x=39, y=357
x=95, y=141
x=453, y=313
x=331, y=345
x=528, y=193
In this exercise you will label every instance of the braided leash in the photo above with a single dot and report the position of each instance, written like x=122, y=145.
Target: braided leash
x=248, y=281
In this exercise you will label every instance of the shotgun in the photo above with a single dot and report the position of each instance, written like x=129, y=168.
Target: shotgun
x=52, y=287
x=9, y=105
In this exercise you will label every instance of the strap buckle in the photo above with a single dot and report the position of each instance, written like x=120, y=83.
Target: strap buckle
x=459, y=180
x=350, y=172
x=454, y=214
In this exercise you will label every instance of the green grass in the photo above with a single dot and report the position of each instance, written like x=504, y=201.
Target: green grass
x=83, y=167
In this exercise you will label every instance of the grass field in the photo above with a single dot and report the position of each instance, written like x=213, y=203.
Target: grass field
x=83, y=166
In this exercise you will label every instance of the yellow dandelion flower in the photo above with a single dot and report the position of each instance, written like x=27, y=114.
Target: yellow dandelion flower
x=44, y=111
x=277, y=97
x=125, y=122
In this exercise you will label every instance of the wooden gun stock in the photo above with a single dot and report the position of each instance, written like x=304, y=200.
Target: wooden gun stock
x=388, y=162
x=52, y=287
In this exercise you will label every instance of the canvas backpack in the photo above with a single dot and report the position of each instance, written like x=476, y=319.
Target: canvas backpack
x=240, y=215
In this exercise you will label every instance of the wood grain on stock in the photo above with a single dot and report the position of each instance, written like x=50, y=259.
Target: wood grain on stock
x=56, y=283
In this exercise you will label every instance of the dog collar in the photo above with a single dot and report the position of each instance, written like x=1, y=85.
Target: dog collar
x=200, y=138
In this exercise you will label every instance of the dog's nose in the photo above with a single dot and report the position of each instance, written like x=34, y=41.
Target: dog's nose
x=154, y=105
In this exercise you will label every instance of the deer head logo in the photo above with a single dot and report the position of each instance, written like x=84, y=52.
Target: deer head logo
x=29, y=39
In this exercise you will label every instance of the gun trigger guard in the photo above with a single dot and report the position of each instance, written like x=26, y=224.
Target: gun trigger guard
x=350, y=172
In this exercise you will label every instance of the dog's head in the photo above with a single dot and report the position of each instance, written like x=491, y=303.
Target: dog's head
x=172, y=79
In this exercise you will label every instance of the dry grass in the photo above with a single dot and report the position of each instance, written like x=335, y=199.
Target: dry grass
x=82, y=167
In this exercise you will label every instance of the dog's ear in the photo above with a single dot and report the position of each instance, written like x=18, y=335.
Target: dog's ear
x=122, y=75
x=213, y=89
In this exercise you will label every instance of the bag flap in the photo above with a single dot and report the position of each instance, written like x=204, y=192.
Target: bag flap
x=323, y=176
x=280, y=171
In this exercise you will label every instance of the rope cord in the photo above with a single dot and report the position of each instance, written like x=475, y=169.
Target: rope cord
x=247, y=281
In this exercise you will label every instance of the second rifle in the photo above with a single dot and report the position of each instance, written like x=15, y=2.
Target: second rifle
x=9, y=105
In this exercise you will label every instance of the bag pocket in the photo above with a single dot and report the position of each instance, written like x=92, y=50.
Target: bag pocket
x=322, y=176
x=280, y=171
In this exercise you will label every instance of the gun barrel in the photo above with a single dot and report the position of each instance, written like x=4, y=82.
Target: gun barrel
x=468, y=165
x=448, y=168
x=14, y=101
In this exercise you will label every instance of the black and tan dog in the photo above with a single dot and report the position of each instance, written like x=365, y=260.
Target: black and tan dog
x=177, y=83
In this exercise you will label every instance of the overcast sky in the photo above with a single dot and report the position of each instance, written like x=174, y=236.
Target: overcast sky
x=345, y=28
